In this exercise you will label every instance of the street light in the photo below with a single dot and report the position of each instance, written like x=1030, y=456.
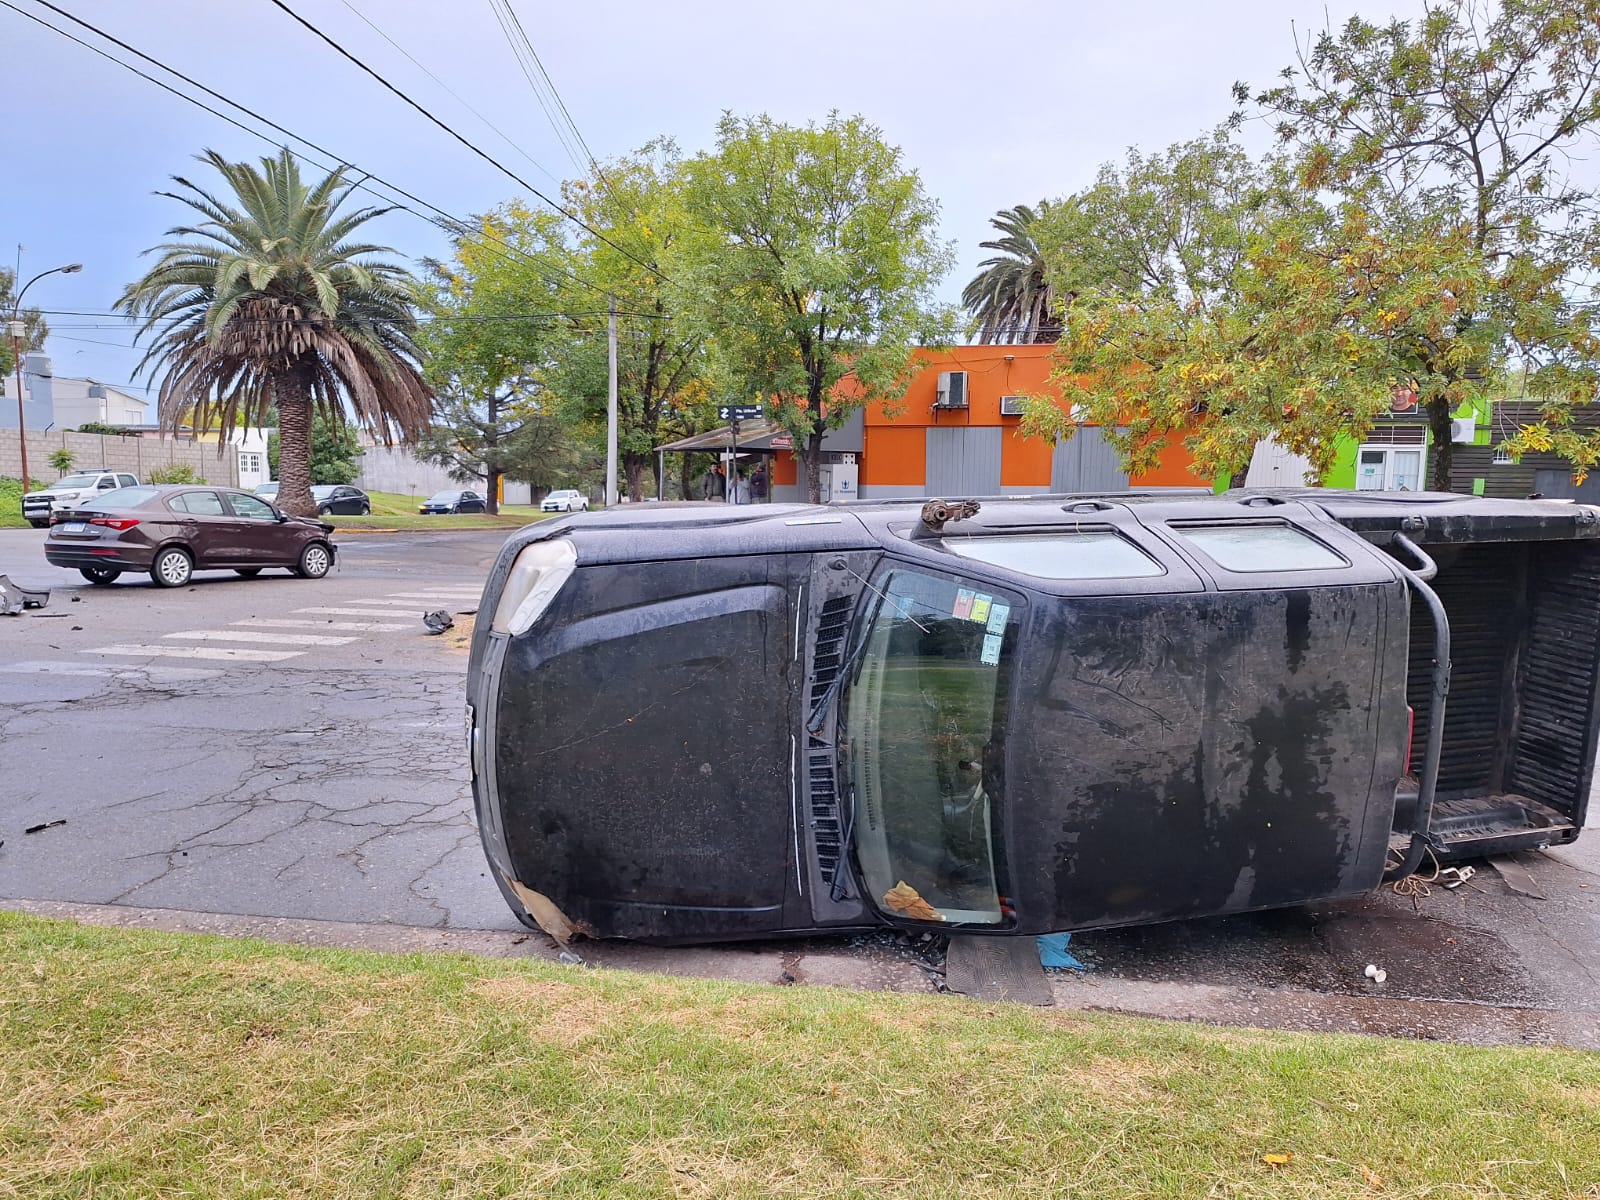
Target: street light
x=15, y=328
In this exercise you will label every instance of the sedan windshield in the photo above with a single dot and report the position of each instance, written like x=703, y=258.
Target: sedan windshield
x=444, y=497
x=322, y=491
x=926, y=722
x=125, y=497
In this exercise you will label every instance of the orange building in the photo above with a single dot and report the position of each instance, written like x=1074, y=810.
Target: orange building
x=956, y=433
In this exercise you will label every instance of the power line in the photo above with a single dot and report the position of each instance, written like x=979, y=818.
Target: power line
x=445, y=220
x=555, y=94
x=505, y=137
x=522, y=64
x=422, y=317
x=488, y=158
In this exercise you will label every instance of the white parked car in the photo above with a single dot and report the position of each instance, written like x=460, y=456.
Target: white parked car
x=565, y=500
x=81, y=486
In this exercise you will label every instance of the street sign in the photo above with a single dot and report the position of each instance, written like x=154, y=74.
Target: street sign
x=739, y=412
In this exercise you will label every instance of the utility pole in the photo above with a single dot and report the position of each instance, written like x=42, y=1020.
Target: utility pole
x=15, y=328
x=611, y=411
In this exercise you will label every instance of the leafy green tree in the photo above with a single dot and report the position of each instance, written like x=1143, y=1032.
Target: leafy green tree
x=1162, y=342
x=496, y=328
x=267, y=302
x=1010, y=299
x=1471, y=118
x=35, y=329
x=62, y=459
x=808, y=261
x=333, y=452
x=1218, y=302
x=637, y=204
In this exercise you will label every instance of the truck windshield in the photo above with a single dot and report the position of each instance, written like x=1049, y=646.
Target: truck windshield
x=924, y=716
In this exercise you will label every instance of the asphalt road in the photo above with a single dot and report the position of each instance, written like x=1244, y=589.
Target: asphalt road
x=288, y=749
x=272, y=746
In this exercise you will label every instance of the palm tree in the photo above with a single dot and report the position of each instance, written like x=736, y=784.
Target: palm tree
x=1010, y=297
x=266, y=303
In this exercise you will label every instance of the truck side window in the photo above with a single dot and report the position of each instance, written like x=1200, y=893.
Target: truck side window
x=1261, y=547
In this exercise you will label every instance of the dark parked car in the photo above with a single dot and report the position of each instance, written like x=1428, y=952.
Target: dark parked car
x=341, y=499
x=171, y=532
x=454, y=502
x=1047, y=714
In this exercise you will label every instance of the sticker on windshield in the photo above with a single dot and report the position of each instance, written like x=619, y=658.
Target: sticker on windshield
x=997, y=618
x=963, y=605
x=991, y=649
x=980, y=607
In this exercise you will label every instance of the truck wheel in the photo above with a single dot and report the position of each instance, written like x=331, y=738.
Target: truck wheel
x=39, y=524
x=100, y=574
x=172, y=568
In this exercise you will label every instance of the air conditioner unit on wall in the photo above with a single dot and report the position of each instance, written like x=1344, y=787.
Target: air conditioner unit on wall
x=1463, y=430
x=952, y=390
x=1010, y=406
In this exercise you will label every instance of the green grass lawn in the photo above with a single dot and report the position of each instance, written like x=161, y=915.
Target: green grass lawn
x=11, y=503
x=140, y=1064
x=392, y=510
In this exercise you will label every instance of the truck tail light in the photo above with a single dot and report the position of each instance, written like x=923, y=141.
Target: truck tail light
x=117, y=523
x=538, y=574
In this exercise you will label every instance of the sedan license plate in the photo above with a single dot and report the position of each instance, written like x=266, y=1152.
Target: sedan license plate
x=74, y=526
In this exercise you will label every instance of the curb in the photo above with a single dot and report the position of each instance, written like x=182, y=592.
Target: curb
x=1290, y=1009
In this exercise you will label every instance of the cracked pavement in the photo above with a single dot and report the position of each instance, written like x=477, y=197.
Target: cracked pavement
x=330, y=786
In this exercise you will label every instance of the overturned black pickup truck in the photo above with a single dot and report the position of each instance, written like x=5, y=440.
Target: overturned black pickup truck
x=1024, y=715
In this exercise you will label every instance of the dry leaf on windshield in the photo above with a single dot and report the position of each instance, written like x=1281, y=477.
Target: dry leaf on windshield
x=903, y=898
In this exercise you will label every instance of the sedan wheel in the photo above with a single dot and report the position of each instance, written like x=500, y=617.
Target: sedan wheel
x=324, y=511
x=100, y=574
x=315, y=560
x=366, y=510
x=172, y=568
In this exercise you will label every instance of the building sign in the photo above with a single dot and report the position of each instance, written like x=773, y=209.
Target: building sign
x=782, y=441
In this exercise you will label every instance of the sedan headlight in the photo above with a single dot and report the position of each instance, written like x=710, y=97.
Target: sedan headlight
x=538, y=574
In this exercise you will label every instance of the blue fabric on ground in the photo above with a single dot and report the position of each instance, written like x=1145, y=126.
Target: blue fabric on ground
x=1053, y=952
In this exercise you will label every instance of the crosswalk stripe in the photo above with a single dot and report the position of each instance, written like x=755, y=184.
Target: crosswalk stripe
x=380, y=613
x=291, y=623
x=222, y=653
x=442, y=594
x=416, y=602
x=244, y=635
x=84, y=670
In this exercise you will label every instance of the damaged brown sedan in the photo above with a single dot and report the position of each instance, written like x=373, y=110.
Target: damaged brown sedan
x=1024, y=715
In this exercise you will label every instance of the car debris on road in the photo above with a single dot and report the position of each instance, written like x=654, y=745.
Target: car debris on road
x=14, y=597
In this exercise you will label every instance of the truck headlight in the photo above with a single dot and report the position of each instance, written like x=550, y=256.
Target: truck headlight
x=538, y=574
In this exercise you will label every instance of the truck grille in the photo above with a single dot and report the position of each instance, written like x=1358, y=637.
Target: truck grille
x=822, y=782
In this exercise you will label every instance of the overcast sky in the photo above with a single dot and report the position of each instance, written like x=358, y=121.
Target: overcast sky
x=994, y=107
